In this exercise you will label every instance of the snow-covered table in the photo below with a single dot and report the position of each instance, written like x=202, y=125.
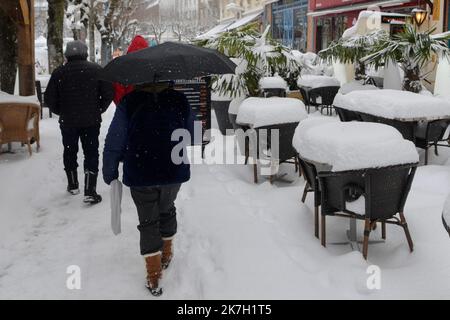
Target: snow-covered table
x=313, y=81
x=260, y=112
x=420, y=118
x=349, y=149
x=395, y=105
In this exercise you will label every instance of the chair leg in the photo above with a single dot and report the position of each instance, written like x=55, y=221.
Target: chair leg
x=407, y=234
x=255, y=172
x=316, y=221
x=383, y=230
x=367, y=229
x=305, y=192
x=323, y=236
x=29, y=148
x=296, y=164
x=436, y=149
x=426, y=156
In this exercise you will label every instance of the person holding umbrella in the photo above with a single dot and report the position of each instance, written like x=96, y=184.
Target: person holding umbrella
x=140, y=135
x=138, y=43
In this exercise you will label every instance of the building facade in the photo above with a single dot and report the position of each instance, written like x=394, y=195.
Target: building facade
x=290, y=23
x=328, y=19
x=235, y=9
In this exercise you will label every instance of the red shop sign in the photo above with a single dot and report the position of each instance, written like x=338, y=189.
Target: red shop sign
x=325, y=4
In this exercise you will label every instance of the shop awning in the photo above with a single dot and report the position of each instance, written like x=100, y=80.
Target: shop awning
x=356, y=7
x=243, y=21
x=216, y=30
x=230, y=25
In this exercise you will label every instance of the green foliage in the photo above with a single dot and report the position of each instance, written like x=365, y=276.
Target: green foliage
x=413, y=50
x=257, y=56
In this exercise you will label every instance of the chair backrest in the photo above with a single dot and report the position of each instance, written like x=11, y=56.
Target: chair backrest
x=285, y=133
x=436, y=130
x=276, y=92
x=327, y=94
x=347, y=115
x=384, y=189
x=15, y=118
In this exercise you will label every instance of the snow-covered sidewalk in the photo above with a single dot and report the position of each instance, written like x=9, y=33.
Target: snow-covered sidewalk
x=236, y=239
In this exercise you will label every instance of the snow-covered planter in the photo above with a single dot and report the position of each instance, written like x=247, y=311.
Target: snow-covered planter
x=343, y=146
x=355, y=86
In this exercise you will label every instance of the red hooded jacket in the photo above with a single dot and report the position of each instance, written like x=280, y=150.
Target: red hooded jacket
x=120, y=91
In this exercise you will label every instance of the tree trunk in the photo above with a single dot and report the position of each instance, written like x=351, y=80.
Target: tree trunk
x=91, y=37
x=412, y=80
x=55, y=23
x=8, y=54
x=106, y=54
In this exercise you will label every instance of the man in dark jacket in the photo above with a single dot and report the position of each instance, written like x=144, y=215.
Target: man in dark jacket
x=76, y=94
x=141, y=135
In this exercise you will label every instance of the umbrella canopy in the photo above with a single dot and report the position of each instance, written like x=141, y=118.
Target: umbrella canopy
x=168, y=61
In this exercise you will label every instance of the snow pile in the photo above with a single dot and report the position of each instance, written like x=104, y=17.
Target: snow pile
x=355, y=86
x=273, y=83
x=259, y=112
x=352, y=145
x=9, y=98
x=394, y=104
x=235, y=104
x=314, y=81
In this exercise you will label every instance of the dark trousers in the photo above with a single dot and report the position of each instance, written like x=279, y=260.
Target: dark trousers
x=157, y=215
x=89, y=143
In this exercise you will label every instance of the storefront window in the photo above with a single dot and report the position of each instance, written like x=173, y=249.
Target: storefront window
x=290, y=23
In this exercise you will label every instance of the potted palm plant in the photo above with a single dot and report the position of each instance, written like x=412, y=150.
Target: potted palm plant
x=256, y=56
x=352, y=50
x=412, y=49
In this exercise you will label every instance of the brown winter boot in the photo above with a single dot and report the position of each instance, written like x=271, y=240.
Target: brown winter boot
x=154, y=272
x=167, y=253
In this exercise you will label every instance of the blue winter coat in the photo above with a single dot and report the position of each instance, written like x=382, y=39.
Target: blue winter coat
x=140, y=135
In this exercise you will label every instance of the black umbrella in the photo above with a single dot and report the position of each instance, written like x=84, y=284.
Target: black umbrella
x=168, y=61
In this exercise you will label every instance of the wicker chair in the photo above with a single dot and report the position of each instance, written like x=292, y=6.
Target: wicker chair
x=274, y=92
x=423, y=136
x=323, y=98
x=19, y=122
x=286, y=152
x=312, y=185
x=347, y=115
x=385, y=191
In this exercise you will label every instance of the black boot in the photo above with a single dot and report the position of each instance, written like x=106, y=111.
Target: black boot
x=72, y=182
x=90, y=186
